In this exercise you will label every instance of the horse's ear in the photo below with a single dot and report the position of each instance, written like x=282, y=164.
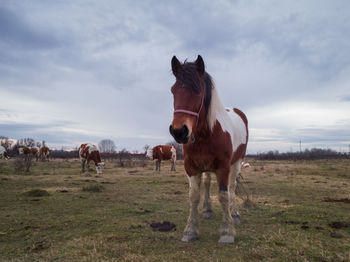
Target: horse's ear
x=200, y=64
x=176, y=66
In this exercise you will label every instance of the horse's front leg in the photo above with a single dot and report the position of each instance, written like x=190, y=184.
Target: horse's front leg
x=191, y=231
x=227, y=230
x=207, y=209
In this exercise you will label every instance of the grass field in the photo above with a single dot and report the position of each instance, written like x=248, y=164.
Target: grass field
x=296, y=211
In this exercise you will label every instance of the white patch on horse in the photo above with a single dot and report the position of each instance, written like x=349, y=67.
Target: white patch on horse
x=230, y=121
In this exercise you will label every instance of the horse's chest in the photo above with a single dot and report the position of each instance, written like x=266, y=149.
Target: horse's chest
x=207, y=158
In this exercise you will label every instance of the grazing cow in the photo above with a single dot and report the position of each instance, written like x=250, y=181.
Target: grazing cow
x=29, y=151
x=88, y=152
x=3, y=153
x=162, y=153
x=214, y=142
x=44, y=153
x=245, y=164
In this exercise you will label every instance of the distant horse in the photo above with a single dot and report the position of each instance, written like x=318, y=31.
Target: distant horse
x=88, y=152
x=214, y=141
x=162, y=153
x=3, y=153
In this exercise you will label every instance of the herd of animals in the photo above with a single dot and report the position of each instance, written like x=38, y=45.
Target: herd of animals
x=214, y=141
x=89, y=152
x=27, y=151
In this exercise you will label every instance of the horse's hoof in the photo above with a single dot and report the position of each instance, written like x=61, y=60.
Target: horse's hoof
x=189, y=237
x=227, y=239
x=236, y=219
x=207, y=214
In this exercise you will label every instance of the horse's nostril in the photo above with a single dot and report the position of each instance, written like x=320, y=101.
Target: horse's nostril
x=184, y=130
x=179, y=134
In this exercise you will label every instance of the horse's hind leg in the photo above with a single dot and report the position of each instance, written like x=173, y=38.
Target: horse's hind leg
x=191, y=231
x=235, y=171
x=207, y=209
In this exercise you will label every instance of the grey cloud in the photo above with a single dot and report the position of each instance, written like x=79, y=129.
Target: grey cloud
x=15, y=31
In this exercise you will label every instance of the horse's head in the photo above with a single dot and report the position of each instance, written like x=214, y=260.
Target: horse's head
x=188, y=92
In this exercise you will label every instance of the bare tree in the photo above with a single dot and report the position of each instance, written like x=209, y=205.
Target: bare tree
x=123, y=155
x=107, y=146
x=26, y=142
x=146, y=147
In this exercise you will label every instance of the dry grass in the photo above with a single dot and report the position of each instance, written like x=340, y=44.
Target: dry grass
x=291, y=211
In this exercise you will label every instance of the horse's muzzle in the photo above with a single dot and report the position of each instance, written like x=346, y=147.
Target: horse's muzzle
x=180, y=135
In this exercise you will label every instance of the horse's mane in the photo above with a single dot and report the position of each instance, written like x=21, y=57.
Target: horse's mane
x=190, y=77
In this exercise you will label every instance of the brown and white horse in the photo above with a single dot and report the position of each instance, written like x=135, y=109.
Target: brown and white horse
x=214, y=142
x=44, y=153
x=88, y=152
x=3, y=153
x=162, y=152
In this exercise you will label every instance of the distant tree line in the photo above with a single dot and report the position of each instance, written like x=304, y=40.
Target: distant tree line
x=307, y=154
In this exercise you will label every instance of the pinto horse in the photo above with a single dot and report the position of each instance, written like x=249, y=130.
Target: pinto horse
x=214, y=141
x=162, y=152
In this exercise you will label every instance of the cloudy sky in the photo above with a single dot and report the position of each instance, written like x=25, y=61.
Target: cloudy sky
x=77, y=71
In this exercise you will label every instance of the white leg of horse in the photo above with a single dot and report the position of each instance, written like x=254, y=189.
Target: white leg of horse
x=227, y=230
x=191, y=231
x=207, y=209
x=235, y=171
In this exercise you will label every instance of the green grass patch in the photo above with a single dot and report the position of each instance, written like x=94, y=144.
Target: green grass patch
x=94, y=188
x=290, y=211
x=36, y=193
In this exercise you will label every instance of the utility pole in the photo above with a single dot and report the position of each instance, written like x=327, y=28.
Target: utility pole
x=300, y=146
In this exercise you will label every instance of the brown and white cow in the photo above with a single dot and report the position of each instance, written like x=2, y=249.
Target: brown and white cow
x=3, y=153
x=88, y=152
x=162, y=152
x=44, y=153
x=29, y=151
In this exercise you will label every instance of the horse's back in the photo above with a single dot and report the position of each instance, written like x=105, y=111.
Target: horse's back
x=235, y=123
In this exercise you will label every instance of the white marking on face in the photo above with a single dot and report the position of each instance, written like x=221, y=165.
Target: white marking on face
x=149, y=153
x=99, y=169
